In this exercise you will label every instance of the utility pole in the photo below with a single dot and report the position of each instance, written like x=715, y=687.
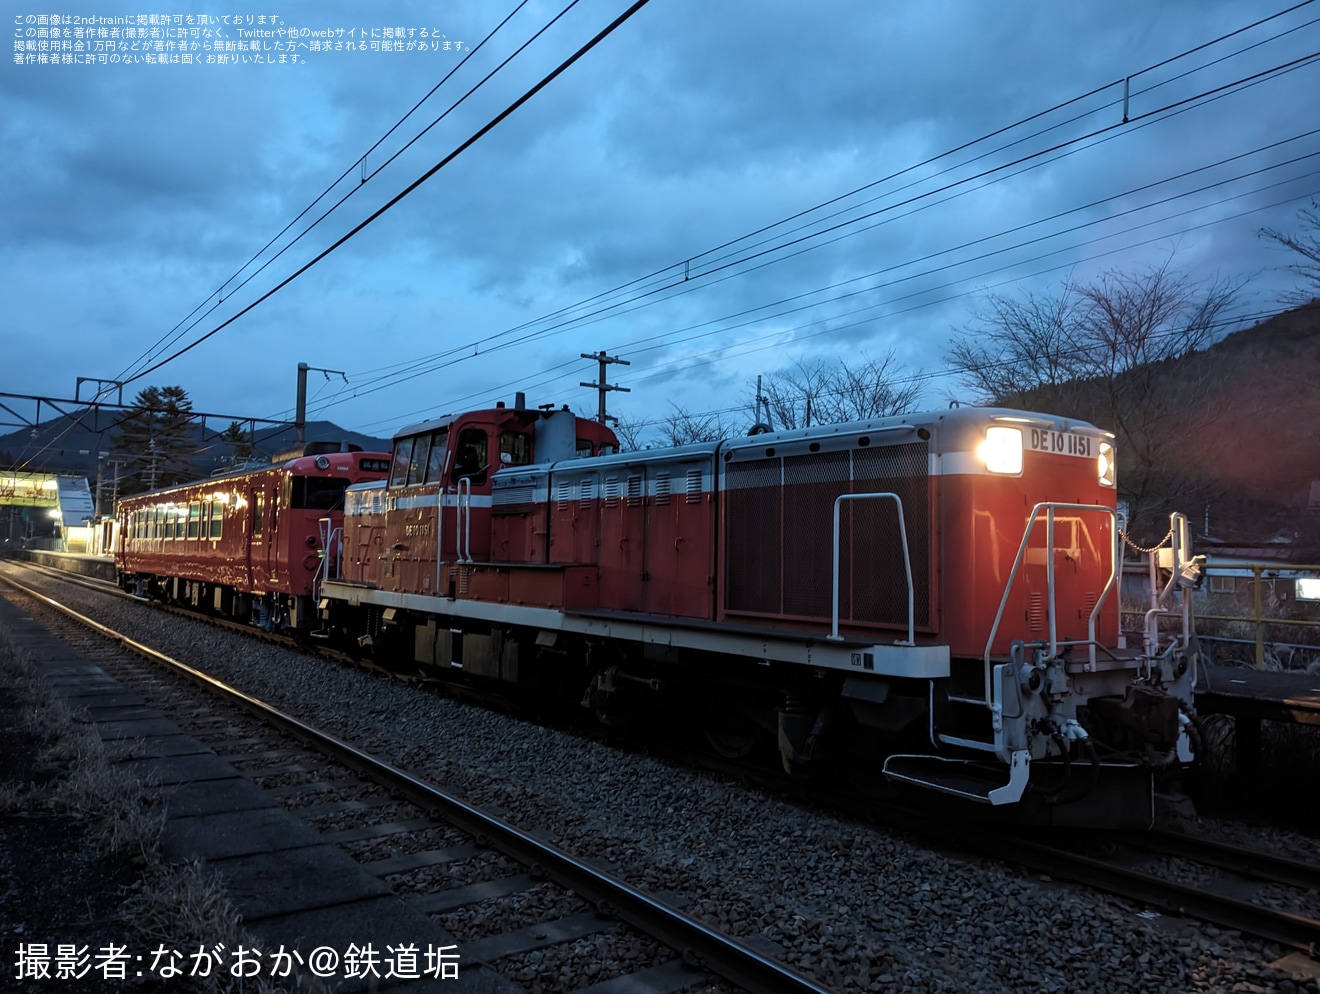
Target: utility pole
x=151, y=482
x=114, y=493
x=603, y=387
x=300, y=415
x=300, y=418
x=763, y=403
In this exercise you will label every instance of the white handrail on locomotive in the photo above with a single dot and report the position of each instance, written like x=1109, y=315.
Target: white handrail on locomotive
x=1183, y=571
x=332, y=545
x=440, y=533
x=464, y=519
x=907, y=565
x=1116, y=561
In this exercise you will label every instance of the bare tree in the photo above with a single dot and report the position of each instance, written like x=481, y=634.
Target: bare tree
x=1306, y=243
x=1015, y=347
x=818, y=392
x=629, y=432
x=682, y=427
x=1103, y=351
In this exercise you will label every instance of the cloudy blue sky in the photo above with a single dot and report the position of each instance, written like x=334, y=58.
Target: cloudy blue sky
x=635, y=203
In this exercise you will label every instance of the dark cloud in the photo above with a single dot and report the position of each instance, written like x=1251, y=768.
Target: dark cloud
x=693, y=125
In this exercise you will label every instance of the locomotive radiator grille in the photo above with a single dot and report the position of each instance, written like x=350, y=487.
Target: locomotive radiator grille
x=779, y=523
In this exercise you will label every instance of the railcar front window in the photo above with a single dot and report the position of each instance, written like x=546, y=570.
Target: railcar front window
x=318, y=493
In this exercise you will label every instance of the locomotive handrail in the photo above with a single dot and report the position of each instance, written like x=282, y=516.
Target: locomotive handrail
x=328, y=535
x=1115, y=564
x=907, y=562
x=439, y=533
x=464, y=520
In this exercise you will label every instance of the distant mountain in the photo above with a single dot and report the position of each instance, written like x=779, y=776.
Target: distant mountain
x=72, y=444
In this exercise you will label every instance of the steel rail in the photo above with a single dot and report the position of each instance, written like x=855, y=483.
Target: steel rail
x=1282, y=927
x=700, y=946
x=1237, y=859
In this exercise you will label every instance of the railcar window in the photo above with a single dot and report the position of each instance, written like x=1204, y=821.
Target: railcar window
x=435, y=463
x=318, y=492
x=194, y=518
x=517, y=446
x=402, y=459
x=258, y=514
x=217, y=519
x=417, y=465
x=583, y=448
x=608, y=449
x=470, y=456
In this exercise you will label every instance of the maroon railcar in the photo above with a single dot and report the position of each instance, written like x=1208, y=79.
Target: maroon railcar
x=250, y=544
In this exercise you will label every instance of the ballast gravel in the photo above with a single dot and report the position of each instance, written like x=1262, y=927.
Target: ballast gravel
x=854, y=906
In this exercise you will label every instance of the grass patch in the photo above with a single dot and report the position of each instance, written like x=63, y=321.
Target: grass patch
x=69, y=778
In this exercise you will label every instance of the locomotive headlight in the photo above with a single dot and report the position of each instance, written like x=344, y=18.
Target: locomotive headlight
x=1002, y=450
x=1106, y=464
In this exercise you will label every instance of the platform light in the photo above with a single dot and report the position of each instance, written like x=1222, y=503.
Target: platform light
x=1106, y=464
x=1002, y=450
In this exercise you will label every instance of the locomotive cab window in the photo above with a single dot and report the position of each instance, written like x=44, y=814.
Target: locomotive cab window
x=417, y=464
x=517, y=447
x=470, y=456
x=435, y=462
x=583, y=448
x=403, y=450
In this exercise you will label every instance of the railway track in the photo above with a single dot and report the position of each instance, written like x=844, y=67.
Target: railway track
x=1058, y=857
x=596, y=901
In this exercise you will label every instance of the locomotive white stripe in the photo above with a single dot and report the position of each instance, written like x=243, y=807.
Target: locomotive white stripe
x=919, y=662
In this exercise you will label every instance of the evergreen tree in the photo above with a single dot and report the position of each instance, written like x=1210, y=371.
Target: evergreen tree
x=157, y=436
x=239, y=441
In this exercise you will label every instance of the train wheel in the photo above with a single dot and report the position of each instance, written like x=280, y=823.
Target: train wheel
x=731, y=736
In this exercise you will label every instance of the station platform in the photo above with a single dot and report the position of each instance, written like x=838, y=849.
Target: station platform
x=1251, y=696
x=100, y=567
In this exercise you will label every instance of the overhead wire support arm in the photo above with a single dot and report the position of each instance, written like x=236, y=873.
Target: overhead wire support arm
x=603, y=387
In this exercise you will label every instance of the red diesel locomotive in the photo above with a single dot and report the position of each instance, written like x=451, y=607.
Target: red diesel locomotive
x=932, y=595
x=249, y=544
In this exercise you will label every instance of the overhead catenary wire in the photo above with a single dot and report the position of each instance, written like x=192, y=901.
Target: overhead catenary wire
x=158, y=347
x=488, y=343
x=680, y=286
x=464, y=146
x=665, y=339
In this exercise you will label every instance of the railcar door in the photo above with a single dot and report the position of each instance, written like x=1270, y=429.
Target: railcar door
x=257, y=567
